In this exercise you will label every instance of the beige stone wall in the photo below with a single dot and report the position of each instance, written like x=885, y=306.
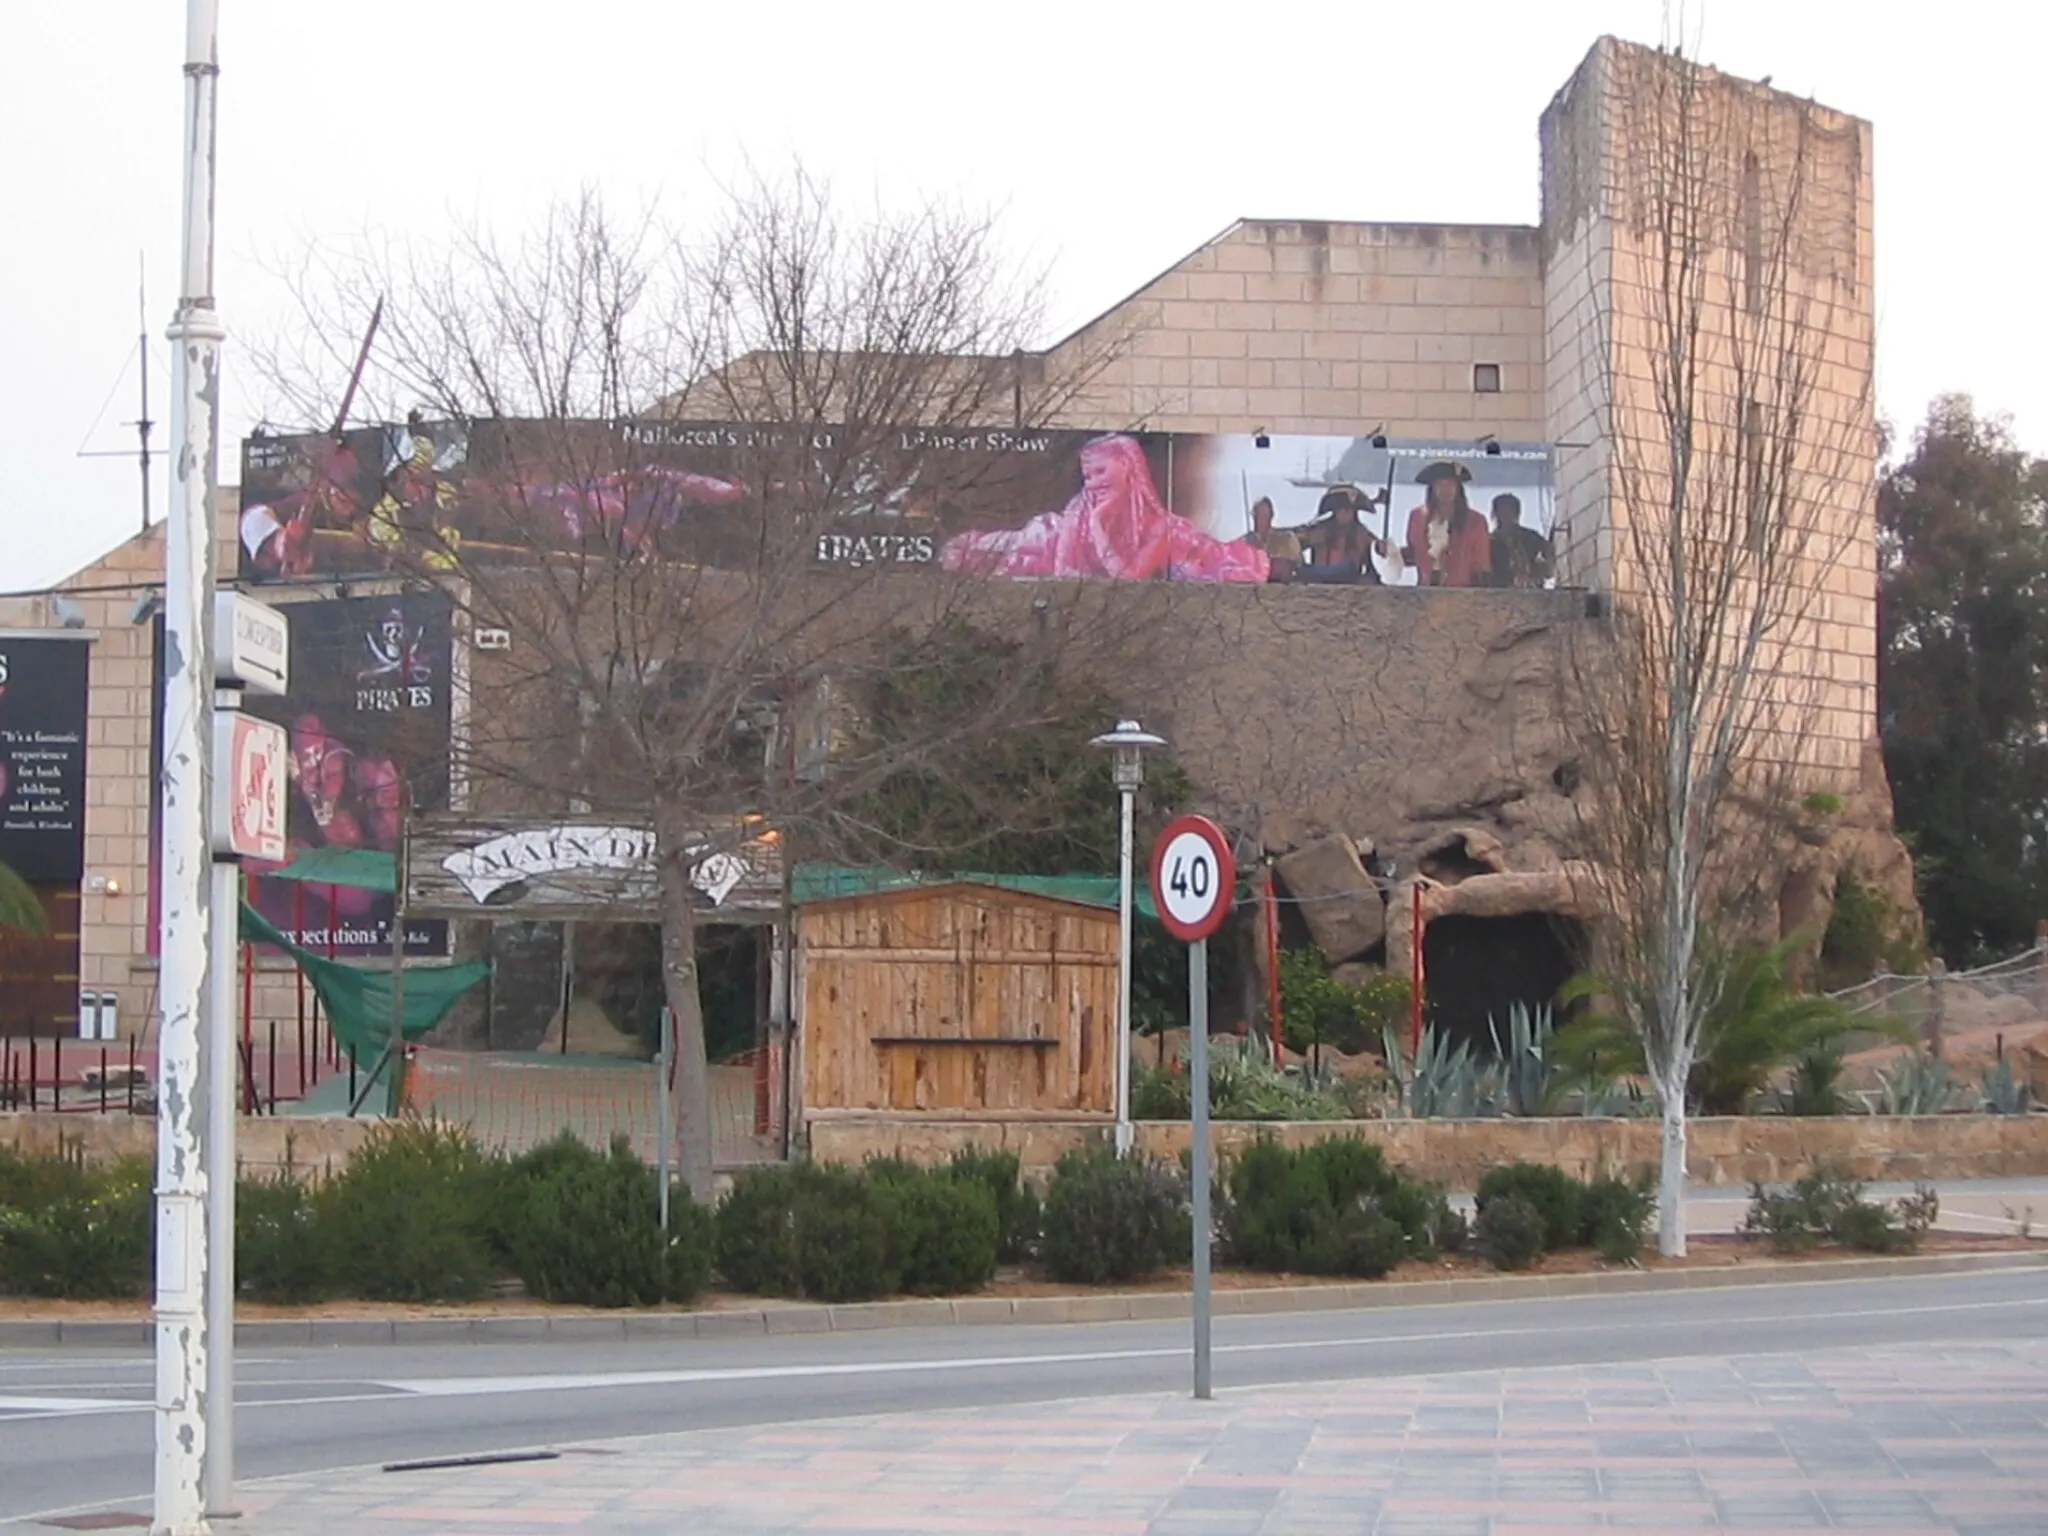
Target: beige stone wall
x=312, y=1147
x=1323, y=328
x=1454, y=1153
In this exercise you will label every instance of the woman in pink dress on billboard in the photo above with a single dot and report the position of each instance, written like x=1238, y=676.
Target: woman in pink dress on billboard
x=1116, y=527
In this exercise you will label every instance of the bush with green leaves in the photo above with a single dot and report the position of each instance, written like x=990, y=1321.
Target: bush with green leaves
x=1318, y=1010
x=1529, y=1070
x=1829, y=1207
x=1551, y=1192
x=1332, y=1207
x=804, y=1229
x=69, y=1230
x=1112, y=1218
x=1017, y=1212
x=409, y=1218
x=944, y=1233
x=1614, y=1216
x=1508, y=1233
x=588, y=1232
x=1243, y=1085
x=283, y=1252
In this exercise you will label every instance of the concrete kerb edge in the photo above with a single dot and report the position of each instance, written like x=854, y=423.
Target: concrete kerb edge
x=981, y=1311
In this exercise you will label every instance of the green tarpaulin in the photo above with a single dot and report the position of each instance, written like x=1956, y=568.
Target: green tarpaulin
x=364, y=869
x=358, y=998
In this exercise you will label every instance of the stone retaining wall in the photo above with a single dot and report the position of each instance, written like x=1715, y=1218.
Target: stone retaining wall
x=312, y=1146
x=1733, y=1150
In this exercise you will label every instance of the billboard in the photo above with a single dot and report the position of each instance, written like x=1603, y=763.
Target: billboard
x=367, y=735
x=42, y=757
x=1006, y=503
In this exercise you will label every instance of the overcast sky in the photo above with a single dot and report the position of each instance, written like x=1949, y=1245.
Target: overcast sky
x=1114, y=137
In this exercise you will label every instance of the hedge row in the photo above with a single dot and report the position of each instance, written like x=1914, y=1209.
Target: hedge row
x=422, y=1214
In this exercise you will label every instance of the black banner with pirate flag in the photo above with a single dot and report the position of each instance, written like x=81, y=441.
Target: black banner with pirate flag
x=368, y=724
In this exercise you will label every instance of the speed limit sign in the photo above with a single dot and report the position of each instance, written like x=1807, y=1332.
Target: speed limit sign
x=1193, y=877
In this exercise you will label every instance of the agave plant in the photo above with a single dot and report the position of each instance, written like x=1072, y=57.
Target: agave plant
x=2003, y=1093
x=1757, y=1023
x=1918, y=1085
x=1445, y=1081
x=1528, y=1068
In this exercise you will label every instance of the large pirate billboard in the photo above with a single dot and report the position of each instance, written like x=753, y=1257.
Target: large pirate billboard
x=1075, y=505
x=367, y=723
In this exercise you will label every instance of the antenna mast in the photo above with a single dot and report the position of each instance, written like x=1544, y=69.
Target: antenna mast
x=142, y=421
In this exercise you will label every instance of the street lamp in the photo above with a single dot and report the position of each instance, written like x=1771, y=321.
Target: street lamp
x=1129, y=743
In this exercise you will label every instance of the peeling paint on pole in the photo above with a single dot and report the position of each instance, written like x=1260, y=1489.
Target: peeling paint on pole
x=186, y=789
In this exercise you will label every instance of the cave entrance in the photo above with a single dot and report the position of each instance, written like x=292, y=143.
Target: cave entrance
x=1476, y=968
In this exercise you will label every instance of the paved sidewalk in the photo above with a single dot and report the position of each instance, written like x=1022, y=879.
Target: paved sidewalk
x=1937, y=1438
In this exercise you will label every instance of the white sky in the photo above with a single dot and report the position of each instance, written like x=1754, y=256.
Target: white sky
x=1114, y=137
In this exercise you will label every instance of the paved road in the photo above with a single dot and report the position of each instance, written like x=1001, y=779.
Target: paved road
x=75, y=1427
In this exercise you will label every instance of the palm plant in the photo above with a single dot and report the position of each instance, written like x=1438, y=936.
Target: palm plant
x=1756, y=1023
x=19, y=909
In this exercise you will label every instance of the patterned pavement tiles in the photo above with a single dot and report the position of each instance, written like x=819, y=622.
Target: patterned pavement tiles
x=1941, y=1438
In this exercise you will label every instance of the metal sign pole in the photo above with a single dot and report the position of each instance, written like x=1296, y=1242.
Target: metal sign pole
x=1198, y=1074
x=218, y=1060
x=664, y=1052
x=195, y=334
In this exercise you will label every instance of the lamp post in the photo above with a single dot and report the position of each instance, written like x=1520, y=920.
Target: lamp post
x=1128, y=743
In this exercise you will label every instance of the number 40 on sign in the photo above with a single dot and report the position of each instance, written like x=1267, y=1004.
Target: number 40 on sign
x=1193, y=877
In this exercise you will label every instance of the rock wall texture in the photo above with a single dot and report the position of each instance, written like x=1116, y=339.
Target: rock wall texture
x=1732, y=1151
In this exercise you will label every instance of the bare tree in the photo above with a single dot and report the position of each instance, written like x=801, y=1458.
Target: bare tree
x=694, y=482
x=1733, y=380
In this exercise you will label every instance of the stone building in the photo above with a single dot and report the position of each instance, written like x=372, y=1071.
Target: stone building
x=1423, y=723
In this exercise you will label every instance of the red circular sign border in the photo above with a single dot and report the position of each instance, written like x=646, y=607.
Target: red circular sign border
x=1226, y=871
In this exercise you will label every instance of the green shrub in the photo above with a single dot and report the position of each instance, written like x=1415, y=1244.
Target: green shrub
x=589, y=1232
x=282, y=1249
x=1317, y=1210
x=508, y=1186
x=1316, y=1009
x=1017, y=1213
x=87, y=1233
x=1276, y=1207
x=1827, y=1207
x=1243, y=1085
x=409, y=1218
x=1614, y=1217
x=32, y=1180
x=1508, y=1233
x=804, y=1229
x=1362, y=1242
x=1552, y=1193
x=943, y=1231
x=1111, y=1218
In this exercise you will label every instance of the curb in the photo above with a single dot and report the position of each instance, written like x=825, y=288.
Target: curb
x=973, y=1311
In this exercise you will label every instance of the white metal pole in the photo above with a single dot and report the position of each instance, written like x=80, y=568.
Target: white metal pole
x=1123, y=981
x=186, y=788
x=219, y=1059
x=1198, y=1083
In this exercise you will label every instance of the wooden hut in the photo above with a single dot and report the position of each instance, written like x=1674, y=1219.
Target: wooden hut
x=961, y=999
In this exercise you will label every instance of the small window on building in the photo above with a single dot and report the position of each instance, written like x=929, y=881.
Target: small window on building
x=1486, y=378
